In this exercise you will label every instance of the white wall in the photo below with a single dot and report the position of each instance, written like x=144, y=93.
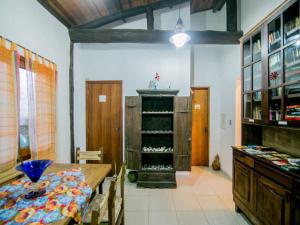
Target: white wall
x=27, y=23
x=136, y=65
x=252, y=11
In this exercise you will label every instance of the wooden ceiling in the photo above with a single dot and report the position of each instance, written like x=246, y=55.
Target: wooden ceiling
x=96, y=13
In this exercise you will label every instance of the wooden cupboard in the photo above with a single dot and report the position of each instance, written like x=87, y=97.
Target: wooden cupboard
x=158, y=136
x=262, y=191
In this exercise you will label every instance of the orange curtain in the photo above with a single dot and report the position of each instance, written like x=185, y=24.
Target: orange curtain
x=45, y=102
x=9, y=138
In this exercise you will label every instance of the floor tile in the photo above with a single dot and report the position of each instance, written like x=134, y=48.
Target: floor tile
x=210, y=202
x=136, y=218
x=202, y=198
x=162, y=218
x=191, y=218
x=137, y=203
x=161, y=203
x=186, y=202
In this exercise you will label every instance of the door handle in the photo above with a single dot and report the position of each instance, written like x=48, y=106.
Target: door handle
x=205, y=129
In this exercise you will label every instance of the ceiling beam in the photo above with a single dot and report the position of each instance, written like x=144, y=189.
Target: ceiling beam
x=231, y=15
x=129, y=13
x=150, y=36
x=218, y=5
x=150, y=19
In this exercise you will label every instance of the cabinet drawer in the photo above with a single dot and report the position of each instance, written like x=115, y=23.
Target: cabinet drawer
x=244, y=159
x=274, y=175
x=156, y=176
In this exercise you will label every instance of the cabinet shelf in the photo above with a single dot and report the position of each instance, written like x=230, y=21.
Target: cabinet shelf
x=157, y=113
x=156, y=132
x=157, y=152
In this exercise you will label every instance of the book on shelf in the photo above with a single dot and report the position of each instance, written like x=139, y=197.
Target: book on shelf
x=274, y=37
x=293, y=112
x=275, y=115
x=292, y=26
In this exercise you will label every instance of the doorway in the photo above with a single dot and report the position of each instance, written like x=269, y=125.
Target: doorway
x=200, y=126
x=104, y=120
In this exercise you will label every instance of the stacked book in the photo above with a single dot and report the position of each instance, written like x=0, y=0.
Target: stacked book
x=293, y=112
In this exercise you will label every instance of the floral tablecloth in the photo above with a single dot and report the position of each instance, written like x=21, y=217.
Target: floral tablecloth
x=67, y=195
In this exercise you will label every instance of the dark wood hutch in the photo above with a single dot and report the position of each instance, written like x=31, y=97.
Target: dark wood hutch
x=158, y=136
x=270, y=117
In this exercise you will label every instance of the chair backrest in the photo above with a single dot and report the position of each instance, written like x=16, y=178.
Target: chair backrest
x=109, y=206
x=116, y=191
x=98, y=207
x=89, y=155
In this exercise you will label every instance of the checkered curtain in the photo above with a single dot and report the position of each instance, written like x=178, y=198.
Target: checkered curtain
x=45, y=109
x=9, y=135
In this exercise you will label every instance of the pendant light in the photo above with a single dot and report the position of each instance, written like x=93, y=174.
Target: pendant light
x=179, y=38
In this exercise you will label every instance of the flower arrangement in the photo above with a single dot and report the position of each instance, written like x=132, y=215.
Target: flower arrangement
x=153, y=84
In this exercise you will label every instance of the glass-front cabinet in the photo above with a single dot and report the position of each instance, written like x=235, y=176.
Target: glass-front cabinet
x=252, y=78
x=271, y=70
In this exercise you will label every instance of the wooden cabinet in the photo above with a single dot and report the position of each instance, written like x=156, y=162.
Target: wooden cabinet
x=133, y=106
x=266, y=195
x=182, y=133
x=272, y=202
x=296, y=211
x=242, y=183
x=158, y=136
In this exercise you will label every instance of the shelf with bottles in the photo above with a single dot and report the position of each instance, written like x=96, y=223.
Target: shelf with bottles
x=257, y=76
x=257, y=106
x=292, y=102
x=247, y=78
x=275, y=97
x=292, y=63
x=291, y=23
x=247, y=106
x=256, y=47
x=247, y=53
x=274, y=35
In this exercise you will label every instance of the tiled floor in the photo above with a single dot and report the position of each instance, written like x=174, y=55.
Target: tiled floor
x=202, y=198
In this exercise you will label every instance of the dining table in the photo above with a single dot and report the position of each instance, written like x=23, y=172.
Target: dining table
x=94, y=176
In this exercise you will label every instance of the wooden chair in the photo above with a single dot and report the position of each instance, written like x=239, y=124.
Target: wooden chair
x=108, y=208
x=89, y=155
x=9, y=175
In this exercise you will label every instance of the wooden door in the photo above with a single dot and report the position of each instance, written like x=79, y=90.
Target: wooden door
x=104, y=120
x=272, y=202
x=242, y=183
x=133, y=123
x=200, y=124
x=182, y=133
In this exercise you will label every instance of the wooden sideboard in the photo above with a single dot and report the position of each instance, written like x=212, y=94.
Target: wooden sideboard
x=263, y=192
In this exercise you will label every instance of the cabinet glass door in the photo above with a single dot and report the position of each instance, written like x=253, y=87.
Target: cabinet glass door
x=247, y=105
x=274, y=35
x=247, y=78
x=291, y=23
x=292, y=98
x=257, y=76
x=247, y=53
x=256, y=107
x=292, y=63
x=275, y=75
x=256, y=47
x=275, y=104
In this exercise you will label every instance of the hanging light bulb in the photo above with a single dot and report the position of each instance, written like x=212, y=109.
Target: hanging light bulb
x=179, y=38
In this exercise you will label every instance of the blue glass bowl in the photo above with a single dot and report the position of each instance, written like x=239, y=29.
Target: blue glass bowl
x=34, y=169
